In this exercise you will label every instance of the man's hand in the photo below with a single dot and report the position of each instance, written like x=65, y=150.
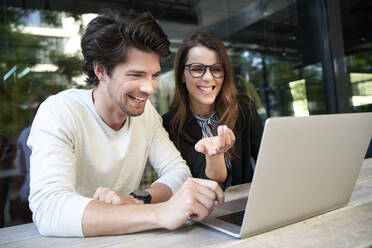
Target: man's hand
x=218, y=144
x=194, y=200
x=110, y=196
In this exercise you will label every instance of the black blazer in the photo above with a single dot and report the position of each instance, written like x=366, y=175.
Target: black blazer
x=247, y=131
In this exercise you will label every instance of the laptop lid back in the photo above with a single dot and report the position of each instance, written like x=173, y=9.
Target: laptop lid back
x=306, y=166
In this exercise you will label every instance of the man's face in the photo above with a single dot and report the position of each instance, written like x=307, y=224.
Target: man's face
x=132, y=82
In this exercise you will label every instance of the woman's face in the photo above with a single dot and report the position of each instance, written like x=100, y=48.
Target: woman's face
x=203, y=90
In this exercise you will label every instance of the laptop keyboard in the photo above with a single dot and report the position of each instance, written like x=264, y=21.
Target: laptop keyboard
x=234, y=218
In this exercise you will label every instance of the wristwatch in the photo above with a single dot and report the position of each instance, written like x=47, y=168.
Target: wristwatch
x=142, y=195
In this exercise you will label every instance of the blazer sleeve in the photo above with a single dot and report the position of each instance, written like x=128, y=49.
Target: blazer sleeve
x=256, y=131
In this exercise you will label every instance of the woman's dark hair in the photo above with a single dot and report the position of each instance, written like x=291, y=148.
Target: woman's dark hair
x=107, y=36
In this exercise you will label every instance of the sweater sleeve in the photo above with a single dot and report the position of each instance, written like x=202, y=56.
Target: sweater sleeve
x=57, y=208
x=165, y=158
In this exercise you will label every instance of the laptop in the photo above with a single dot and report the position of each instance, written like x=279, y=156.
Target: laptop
x=306, y=166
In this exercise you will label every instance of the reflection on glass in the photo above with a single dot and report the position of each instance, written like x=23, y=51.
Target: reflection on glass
x=39, y=56
x=361, y=88
x=298, y=91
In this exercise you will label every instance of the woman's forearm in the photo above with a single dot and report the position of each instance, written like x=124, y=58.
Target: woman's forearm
x=215, y=167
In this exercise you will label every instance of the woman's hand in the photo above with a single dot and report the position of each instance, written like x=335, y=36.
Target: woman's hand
x=218, y=144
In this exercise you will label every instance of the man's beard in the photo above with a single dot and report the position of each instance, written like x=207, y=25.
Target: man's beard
x=129, y=112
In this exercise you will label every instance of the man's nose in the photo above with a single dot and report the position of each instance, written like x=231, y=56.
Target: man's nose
x=148, y=86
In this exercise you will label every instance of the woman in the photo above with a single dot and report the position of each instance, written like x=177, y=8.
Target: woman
x=204, y=105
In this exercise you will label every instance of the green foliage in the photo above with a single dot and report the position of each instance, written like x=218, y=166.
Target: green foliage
x=21, y=93
x=50, y=18
x=68, y=65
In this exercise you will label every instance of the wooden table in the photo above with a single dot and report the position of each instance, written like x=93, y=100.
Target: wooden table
x=350, y=226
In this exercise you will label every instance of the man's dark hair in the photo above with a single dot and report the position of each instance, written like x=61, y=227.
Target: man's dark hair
x=107, y=36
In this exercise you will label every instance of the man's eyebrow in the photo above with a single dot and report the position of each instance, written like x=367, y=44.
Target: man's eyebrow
x=136, y=71
x=142, y=72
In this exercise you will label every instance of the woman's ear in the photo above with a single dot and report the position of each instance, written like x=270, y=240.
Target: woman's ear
x=99, y=70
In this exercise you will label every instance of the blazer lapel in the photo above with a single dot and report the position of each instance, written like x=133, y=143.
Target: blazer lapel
x=193, y=129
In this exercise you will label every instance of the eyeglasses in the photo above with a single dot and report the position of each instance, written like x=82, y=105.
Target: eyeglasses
x=197, y=70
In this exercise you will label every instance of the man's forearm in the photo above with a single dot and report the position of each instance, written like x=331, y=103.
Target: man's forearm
x=195, y=199
x=106, y=219
x=159, y=192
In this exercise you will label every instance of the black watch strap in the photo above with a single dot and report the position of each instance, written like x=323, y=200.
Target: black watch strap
x=142, y=195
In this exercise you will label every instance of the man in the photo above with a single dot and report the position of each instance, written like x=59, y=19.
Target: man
x=84, y=139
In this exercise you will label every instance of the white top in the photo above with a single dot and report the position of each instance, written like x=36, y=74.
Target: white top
x=74, y=152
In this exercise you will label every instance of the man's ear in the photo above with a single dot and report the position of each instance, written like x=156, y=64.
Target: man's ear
x=99, y=70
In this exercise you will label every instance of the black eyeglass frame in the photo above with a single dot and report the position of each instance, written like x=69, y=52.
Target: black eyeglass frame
x=205, y=69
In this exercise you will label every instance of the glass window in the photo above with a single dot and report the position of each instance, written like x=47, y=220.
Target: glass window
x=40, y=56
x=283, y=55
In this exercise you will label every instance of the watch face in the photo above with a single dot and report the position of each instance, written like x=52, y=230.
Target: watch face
x=142, y=195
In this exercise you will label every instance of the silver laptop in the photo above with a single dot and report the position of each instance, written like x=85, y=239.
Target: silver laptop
x=306, y=166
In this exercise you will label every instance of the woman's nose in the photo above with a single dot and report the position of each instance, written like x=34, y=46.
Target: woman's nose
x=208, y=74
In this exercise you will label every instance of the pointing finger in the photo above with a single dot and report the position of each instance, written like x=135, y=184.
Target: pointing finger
x=220, y=139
